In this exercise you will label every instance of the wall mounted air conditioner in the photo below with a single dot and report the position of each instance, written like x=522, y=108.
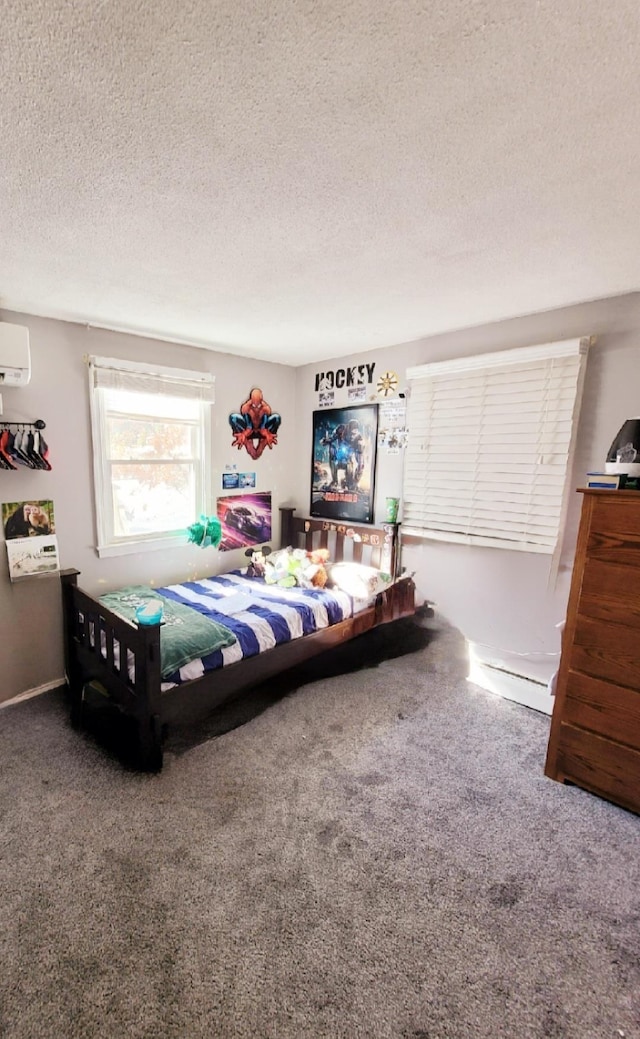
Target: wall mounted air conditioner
x=15, y=355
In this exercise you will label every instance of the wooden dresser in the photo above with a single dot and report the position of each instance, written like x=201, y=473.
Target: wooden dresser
x=595, y=727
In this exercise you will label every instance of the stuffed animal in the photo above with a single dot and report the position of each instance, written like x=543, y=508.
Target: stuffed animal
x=283, y=567
x=316, y=570
x=257, y=561
x=207, y=532
x=293, y=566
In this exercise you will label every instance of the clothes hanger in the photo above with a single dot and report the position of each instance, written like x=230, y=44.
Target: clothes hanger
x=22, y=444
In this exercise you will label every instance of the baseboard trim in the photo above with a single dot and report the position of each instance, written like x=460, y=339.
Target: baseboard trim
x=37, y=691
x=519, y=688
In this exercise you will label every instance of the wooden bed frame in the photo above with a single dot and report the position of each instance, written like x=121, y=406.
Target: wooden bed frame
x=152, y=710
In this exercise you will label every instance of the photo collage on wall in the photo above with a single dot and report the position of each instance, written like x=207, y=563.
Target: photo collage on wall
x=232, y=480
x=392, y=426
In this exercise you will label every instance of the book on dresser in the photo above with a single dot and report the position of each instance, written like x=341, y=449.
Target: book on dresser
x=604, y=481
x=594, y=740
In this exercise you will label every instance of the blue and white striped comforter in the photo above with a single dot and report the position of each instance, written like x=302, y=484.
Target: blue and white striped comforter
x=261, y=616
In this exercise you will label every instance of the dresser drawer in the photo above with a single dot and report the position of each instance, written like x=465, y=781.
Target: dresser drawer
x=599, y=765
x=616, y=514
x=609, y=710
x=610, y=592
x=614, y=531
x=605, y=650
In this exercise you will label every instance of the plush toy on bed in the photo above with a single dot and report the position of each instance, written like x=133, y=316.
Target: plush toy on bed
x=282, y=567
x=316, y=570
x=291, y=567
x=257, y=561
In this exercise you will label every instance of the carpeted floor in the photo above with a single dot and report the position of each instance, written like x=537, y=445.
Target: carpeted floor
x=368, y=854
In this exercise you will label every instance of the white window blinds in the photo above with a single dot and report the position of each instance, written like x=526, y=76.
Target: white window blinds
x=113, y=374
x=490, y=444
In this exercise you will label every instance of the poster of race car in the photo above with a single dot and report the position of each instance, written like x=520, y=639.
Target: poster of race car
x=245, y=519
x=344, y=463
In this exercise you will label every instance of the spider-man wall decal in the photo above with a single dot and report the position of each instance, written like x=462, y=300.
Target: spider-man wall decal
x=255, y=426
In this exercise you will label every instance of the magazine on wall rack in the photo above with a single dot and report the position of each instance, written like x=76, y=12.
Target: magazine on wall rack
x=29, y=557
x=32, y=545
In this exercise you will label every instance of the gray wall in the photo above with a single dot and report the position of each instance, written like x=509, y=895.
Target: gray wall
x=506, y=602
x=31, y=643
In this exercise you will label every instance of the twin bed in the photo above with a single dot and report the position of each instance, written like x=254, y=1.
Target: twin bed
x=227, y=633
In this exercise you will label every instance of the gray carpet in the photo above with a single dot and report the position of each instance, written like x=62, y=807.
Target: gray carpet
x=372, y=854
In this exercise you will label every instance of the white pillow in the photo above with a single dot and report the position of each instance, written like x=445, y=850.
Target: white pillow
x=357, y=580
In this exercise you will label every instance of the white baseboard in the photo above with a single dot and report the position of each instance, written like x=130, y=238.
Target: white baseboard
x=29, y=693
x=511, y=686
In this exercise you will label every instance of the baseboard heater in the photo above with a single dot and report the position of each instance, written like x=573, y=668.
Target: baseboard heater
x=522, y=689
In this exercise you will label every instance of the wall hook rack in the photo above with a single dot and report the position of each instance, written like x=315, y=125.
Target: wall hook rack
x=8, y=424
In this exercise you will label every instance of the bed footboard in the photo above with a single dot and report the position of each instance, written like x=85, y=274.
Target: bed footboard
x=124, y=658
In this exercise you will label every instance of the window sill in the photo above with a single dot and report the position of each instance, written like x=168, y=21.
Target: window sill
x=129, y=548
x=412, y=536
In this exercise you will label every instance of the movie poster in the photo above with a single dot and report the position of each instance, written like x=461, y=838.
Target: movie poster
x=344, y=463
x=245, y=519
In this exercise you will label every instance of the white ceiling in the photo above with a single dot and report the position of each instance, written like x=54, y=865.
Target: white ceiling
x=299, y=179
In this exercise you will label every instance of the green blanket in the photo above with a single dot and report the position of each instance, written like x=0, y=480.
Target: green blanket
x=185, y=634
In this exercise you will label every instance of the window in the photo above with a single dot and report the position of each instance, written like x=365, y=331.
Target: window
x=490, y=446
x=151, y=444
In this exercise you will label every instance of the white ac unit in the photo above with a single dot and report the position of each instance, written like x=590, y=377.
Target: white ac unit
x=15, y=355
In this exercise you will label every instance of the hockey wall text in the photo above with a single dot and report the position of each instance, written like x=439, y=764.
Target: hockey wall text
x=358, y=375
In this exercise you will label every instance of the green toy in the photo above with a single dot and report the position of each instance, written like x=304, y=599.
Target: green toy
x=207, y=532
x=284, y=568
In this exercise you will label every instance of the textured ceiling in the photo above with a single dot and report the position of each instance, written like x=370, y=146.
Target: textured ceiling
x=296, y=179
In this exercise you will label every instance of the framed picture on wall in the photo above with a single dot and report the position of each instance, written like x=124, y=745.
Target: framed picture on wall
x=344, y=463
x=245, y=519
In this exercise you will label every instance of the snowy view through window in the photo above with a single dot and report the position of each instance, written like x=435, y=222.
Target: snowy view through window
x=154, y=454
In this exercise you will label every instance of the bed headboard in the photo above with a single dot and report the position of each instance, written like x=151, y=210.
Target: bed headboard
x=375, y=546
